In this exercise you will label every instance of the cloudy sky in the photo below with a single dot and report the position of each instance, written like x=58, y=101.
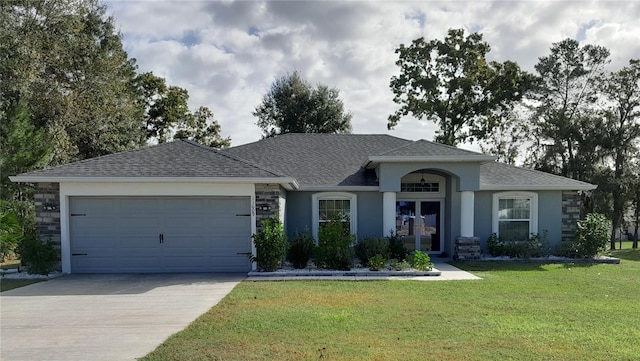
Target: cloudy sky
x=227, y=53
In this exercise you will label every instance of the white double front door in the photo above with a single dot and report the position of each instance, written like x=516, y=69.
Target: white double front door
x=419, y=224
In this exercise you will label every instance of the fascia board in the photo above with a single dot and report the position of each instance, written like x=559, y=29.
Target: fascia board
x=321, y=188
x=490, y=187
x=374, y=160
x=288, y=182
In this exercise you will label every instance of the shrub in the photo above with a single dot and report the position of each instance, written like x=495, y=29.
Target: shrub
x=397, y=250
x=38, y=257
x=535, y=246
x=10, y=232
x=334, y=242
x=495, y=245
x=301, y=250
x=399, y=265
x=422, y=261
x=371, y=247
x=376, y=263
x=591, y=235
x=271, y=245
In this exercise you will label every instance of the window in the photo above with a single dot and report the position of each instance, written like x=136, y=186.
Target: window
x=515, y=215
x=327, y=206
x=420, y=187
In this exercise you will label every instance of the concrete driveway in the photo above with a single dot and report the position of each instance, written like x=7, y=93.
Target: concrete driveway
x=104, y=317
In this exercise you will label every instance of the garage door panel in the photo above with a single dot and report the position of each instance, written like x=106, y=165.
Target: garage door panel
x=198, y=234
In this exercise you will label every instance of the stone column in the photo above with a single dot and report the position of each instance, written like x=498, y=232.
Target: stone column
x=388, y=213
x=466, y=214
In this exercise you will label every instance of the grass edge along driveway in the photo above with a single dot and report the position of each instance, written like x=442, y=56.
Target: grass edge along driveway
x=520, y=311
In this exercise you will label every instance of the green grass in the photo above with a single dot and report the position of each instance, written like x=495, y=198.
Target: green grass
x=9, y=284
x=519, y=311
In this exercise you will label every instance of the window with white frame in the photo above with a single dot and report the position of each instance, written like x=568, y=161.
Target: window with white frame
x=515, y=215
x=330, y=206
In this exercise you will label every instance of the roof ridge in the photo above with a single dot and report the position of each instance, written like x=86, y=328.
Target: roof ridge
x=221, y=152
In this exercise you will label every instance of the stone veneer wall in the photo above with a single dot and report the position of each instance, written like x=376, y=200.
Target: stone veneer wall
x=571, y=205
x=467, y=248
x=268, y=200
x=47, y=202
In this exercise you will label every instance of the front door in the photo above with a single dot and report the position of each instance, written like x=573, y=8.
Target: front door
x=419, y=224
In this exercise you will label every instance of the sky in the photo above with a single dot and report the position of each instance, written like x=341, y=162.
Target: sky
x=228, y=53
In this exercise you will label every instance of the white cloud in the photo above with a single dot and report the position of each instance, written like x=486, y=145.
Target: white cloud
x=227, y=53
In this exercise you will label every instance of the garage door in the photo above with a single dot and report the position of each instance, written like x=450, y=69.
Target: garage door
x=149, y=234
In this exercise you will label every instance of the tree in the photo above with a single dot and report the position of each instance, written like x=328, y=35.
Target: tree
x=566, y=129
x=167, y=115
x=65, y=59
x=293, y=106
x=165, y=106
x=507, y=137
x=451, y=83
x=200, y=127
x=23, y=148
x=621, y=115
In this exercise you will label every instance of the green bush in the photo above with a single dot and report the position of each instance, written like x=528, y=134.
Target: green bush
x=10, y=233
x=421, y=261
x=271, y=245
x=376, y=263
x=370, y=247
x=535, y=246
x=397, y=250
x=399, y=265
x=495, y=245
x=592, y=235
x=301, y=250
x=38, y=257
x=334, y=246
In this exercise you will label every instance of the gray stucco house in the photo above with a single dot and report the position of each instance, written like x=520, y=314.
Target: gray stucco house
x=183, y=207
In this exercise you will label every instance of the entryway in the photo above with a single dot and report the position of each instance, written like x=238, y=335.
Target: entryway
x=419, y=224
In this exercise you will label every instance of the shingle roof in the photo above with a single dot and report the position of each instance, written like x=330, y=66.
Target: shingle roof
x=426, y=148
x=320, y=159
x=496, y=175
x=176, y=159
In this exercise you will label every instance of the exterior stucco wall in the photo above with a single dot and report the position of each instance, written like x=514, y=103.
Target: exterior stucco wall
x=549, y=216
x=369, y=212
x=468, y=173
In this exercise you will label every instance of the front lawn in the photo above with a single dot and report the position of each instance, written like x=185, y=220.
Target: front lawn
x=520, y=311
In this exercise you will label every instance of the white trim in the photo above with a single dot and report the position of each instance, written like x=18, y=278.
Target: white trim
x=353, y=216
x=388, y=213
x=372, y=161
x=467, y=199
x=68, y=190
x=523, y=188
x=287, y=182
x=533, y=212
x=321, y=188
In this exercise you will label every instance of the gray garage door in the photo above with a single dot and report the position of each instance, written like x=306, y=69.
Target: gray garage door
x=168, y=234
